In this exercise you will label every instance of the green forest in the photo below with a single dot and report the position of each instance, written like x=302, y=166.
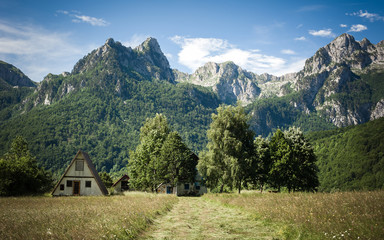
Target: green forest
x=351, y=158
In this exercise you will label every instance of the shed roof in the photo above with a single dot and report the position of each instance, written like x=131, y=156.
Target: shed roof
x=120, y=179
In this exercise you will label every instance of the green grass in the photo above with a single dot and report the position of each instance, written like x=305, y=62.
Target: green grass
x=114, y=217
x=251, y=215
x=198, y=218
x=343, y=215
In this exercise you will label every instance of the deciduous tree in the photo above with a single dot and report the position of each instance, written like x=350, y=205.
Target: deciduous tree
x=293, y=161
x=161, y=157
x=230, y=155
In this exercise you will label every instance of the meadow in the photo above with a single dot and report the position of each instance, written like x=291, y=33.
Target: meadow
x=113, y=217
x=341, y=215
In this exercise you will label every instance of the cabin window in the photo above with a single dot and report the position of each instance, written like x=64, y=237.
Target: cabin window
x=197, y=187
x=79, y=165
x=88, y=183
x=61, y=187
x=69, y=183
x=186, y=186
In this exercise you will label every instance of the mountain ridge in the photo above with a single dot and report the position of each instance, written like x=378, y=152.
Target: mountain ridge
x=334, y=70
x=102, y=103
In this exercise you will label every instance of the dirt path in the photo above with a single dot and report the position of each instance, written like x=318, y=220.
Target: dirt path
x=196, y=218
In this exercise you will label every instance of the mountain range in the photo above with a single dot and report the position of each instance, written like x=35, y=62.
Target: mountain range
x=101, y=104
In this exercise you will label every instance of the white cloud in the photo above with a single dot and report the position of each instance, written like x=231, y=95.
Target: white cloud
x=195, y=52
x=91, y=20
x=302, y=38
x=288, y=52
x=311, y=8
x=135, y=40
x=78, y=18
x=37, y=51
x=322, y=33
x=294, y=65
x=343, y=25
x=358, y=28
x=168, y=55
x=370, y=16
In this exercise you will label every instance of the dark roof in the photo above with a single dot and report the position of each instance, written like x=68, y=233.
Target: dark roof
x=91, y=167
x=120, y=179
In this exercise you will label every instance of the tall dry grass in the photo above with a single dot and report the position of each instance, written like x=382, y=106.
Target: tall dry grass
x=343, y=215
x=115, y=217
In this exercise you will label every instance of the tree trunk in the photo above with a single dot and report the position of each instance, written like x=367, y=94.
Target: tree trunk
x=239, y=187
x=221, y=188
x=261, y=188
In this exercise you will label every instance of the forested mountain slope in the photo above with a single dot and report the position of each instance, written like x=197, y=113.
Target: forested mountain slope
x=102, y=104
x=351, y=158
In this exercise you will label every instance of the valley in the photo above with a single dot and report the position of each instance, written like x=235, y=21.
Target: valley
x=100, y=106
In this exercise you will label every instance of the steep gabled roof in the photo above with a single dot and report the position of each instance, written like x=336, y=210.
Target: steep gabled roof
x=120, y=179
x=91, y=167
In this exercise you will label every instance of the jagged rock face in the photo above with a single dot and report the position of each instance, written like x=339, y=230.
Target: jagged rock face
x=13, y=76
x=343, y=50
x=228, y=80
x=378, y=112
x=331, y=71
x=156, y=64
x=147, y=59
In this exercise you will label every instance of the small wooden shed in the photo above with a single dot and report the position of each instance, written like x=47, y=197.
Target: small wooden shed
x=80, y=179
x=122, y=184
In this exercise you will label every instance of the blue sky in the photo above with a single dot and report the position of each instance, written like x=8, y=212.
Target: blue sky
x=276, y=37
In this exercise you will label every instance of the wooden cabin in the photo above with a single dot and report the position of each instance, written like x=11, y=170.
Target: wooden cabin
x=80, y=179
x=122, y=184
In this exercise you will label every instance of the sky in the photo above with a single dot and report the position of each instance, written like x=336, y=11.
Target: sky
x=275, y=37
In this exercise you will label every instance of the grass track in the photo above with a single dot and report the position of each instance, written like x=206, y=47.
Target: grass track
x=197, y=218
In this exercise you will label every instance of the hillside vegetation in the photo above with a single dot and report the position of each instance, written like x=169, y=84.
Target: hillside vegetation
x=107, y=126
x=351, y=158
x=100, y=106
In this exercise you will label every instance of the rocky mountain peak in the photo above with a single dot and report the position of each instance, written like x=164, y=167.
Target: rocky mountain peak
x=227, y=79
x=365, y=43
x=150, y=44
x=110, y=42
x=155, y=62
x=147, y=59
x=342, y=47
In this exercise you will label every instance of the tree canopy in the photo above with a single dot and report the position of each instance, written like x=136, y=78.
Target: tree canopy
x=19, y=173
x=161, y=157
x=230, y=153
x=293, y=161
